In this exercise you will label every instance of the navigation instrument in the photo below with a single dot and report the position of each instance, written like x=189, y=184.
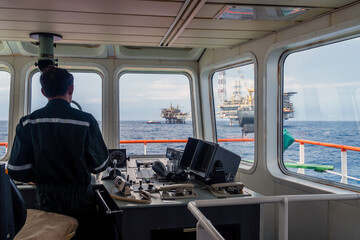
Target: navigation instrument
x=118, y=158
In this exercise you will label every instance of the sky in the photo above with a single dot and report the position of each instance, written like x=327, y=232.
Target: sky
x=326, y=79
x=87, y=92
x=142, y=96
x=327, y=82
x=4, y=95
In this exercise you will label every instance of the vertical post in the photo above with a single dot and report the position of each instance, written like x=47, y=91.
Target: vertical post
x=343, y=166
x=302, y=157
x=145, y=148
x=283, y=209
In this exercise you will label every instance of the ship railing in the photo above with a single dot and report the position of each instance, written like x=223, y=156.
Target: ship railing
x=145, y=142
x=206, y=230
x=301, y=165
x=343, y=148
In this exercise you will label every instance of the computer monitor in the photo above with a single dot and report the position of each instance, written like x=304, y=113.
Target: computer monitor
x=212, y=163
x=188, y=153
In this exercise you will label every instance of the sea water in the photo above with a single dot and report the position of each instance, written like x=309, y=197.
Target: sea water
x=343, y=133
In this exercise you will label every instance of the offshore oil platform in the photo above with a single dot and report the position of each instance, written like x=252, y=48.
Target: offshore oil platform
x=173, y=115
x=241, y=109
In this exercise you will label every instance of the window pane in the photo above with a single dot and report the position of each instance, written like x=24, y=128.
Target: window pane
x=234, y=102
x=87, y=92
x=152, y=97
x=4, y=110
x=326, y=110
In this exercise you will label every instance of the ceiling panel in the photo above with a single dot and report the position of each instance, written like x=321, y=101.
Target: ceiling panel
x=210, y=10
x=205, y=45
x=71, y=28
x=128, y=7
x=114, y=38
x=144, y=23
x=226, y=42
x=223, y=33
x=309, y=3
x=84, y=18
x=237, y=25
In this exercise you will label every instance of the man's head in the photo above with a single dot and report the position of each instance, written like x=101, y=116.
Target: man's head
x=56, y=83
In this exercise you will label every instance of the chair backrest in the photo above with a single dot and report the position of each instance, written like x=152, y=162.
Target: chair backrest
x=12, y=207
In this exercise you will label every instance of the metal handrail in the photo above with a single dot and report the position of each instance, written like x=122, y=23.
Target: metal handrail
x=182, y=140
x=344, y=149
x=4, y=144
x=205, y=226
x=332, y=145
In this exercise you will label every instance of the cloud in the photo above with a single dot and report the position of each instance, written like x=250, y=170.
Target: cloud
x=321, y=85
x=135, y=99
x=166, y=93
x=5, y=89
x=162, y=84
x=92, y=100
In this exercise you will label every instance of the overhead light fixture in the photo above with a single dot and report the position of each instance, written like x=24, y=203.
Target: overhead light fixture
x=235, y=12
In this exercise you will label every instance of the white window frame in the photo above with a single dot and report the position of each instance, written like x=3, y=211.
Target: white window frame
x=210, y=120
x=74, y=67
x=280, y=123
x=11, y=71
x=186, y=71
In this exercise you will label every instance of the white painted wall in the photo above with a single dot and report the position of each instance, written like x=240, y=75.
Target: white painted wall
x=321, y=220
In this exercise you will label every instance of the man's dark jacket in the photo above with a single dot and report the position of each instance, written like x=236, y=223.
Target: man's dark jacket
x=58, y=147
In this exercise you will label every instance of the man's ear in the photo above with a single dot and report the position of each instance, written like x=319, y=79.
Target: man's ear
x=71, y=89
x=43, y=92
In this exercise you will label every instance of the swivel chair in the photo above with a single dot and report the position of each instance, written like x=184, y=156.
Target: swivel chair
x=17, y=222
x=12, y=207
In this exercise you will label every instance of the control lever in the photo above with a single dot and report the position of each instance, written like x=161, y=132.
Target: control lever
x=122, y=185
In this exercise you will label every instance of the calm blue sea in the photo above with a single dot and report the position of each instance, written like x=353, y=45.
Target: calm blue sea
x=345, y=133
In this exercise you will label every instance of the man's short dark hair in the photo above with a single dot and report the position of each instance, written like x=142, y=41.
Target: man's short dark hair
x=55, y=81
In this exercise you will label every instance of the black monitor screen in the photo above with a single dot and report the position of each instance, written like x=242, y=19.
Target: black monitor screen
x=212, y=163
x=201, y=162
x=189, y=151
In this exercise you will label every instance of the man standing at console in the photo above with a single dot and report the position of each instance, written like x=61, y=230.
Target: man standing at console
x=58, y=147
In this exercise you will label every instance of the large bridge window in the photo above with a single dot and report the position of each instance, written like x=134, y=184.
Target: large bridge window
x=154, y=107
x=4, y=110
x=234, y=101
x=322, y=112
x=87, y=93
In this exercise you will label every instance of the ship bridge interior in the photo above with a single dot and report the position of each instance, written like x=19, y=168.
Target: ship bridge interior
x=132, y=29
x=198, y=38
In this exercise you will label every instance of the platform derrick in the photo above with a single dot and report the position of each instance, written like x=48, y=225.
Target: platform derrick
x=173, y=115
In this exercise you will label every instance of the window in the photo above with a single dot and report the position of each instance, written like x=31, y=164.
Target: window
x=324, y=84
x=154, y=107
x=87, y=93
x=234, y=102
x=4, y=110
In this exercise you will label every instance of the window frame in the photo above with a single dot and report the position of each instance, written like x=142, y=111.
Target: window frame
x=224, y=68
x=207, y=75
x=188, y=72
x=280, y=124
x=9, y=68
x=78, y=68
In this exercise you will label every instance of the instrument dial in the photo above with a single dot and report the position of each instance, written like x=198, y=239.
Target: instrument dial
x=120, y=158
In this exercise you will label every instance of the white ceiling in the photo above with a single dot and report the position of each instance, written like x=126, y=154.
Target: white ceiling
x=182, y=23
